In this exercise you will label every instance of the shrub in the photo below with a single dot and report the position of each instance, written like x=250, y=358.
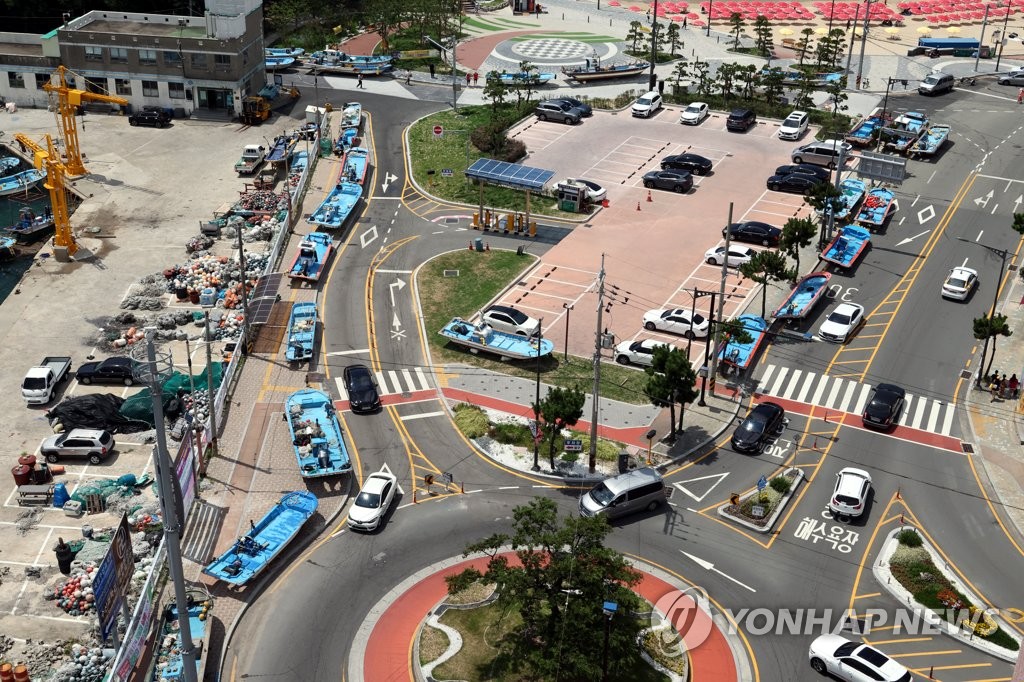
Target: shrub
x=512, y=434
x=471, y=420
x=909, y=537
x=781, y=484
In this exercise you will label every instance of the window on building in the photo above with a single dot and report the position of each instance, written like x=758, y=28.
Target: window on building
x=198, y=60
x=41, y=80
x=222, y=62
x=119, y=55
x=15, y=79
x=176, y=90
x=147, y=56
x=93, y=54
x=172, y=58
x=150, y=89
x=123, y=87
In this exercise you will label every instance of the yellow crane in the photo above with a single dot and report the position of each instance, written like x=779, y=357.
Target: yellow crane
x=48, y=159
x=68, y=101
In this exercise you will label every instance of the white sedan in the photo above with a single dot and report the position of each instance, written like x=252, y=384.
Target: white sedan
x=959, y=284
x=851, y=493
x=841, y=323
x=738, y=255
x=854, y=662
x=637, y=352
x=595, y=192
x=694, y=113
x=375, y=497
x=676, y=321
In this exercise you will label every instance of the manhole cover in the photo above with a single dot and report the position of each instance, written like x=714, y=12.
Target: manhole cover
x=451, y=221
x=451, y=273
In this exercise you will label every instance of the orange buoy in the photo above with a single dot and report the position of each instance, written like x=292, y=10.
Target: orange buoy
x=21, y=674
x=6, y=672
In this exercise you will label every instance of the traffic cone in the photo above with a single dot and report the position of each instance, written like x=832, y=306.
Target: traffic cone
x=649, y=198
x=414, y=496
x=638, y=205
x=470, y=244
x=487, y=246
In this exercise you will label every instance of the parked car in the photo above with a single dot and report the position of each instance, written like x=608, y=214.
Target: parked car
x=794, y=126
x=754, y=232
x=585, y=109
x=740, y=120
x=795, y=183
x=116, y=370
x=738, y=255
x=373, y=501
x=361, y=386
x=823, y=174
x=853, y=661
x=959, y=284
x=148, y=118
x=595, y=192
x=637, y=352
x=695, y=163
x=884, y=406
x=675, y=180
x=851, y=492
x=558, y=111
x=511, y=320
x=764, y=421
x=694, y=113
x=841, y=323
x=647, y=105
x=823, y=153
x=1015, y=77
x=676, y=321
x=92, y=444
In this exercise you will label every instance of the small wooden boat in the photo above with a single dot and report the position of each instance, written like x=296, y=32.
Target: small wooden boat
x=524, y=78
x=354, y=165
x=851, y=191
x=20, y=182
x=31, y=227
x=351, y=115
x=805, y=295
x=737, y=355
x=311, y=257
x=293, y=52
x=301, y=332
x=876, y=207
x=254, y=551
x=932, y=140
x=593, y=70
x=281, y=149
x=862, y=134
x=278, y=63
x=337, y=207
x=847, y=246
x=336, y=61
x=167, y=659
x=485, y=338
x=316, y=435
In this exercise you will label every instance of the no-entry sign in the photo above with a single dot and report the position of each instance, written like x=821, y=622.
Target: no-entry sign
x=438, y=131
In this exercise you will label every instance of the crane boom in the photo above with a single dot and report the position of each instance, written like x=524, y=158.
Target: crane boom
x=68, y=101
x=47, y=158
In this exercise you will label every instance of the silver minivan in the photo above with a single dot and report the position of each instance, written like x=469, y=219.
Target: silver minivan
x=935, y=83
x=822, y=153
x=633, y=491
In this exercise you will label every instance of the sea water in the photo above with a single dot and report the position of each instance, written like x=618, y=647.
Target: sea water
x=12, y=270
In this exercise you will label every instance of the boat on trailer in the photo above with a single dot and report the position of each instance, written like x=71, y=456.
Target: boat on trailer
x=932, y=140
x=337, y=207
x=805, y=295
x=311, y=257
x=316, y=435
x=738, y=356
x=593, y=70
x=301, y=332
x=847, y=246
x=485, y=338
x=877, y=206
x=354, y=165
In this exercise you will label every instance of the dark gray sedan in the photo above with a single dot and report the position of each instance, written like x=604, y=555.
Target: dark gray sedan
x=674, y=180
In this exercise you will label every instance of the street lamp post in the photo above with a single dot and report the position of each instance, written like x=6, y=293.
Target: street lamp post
x=536, y=404
x=653, y=79
x=567, y=307
x=1002, y=35
x=711, y=4
x=609, y=608
x=1002, y=253
x=697, y=293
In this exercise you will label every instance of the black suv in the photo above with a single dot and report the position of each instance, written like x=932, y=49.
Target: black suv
x=740, y=120
x=157, y=118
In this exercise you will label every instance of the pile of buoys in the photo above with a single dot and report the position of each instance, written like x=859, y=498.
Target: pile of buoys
x=873, y=201
x=76, y=596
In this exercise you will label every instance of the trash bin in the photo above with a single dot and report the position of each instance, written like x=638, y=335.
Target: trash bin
x=64, y=556
x=623, y=462
x=22, y=474
x=478, y=244
x=60, y=495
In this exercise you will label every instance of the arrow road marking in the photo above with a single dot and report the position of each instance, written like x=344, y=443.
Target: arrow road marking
x=1017, y=202
x=910, y=239
x=388, y=179
x=708, y=566
x=983, y=200
x=391, y=287
x=396, y=323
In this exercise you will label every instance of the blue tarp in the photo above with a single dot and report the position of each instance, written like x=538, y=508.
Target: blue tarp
x=946, y=43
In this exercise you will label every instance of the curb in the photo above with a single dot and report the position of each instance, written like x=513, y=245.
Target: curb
x=779, y=508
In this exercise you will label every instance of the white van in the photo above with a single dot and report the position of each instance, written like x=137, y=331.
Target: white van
x=633, y=491
x=823, y=153
x=646, y=105
x=935, y=83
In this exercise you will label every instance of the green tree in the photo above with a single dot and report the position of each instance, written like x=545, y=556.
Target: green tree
x=680, y=72
x=725, y=79
x=672, y=36
x=804, y=91
x=737, y=25
x=773, y=84
x=386, y=16
x=797, y=233
x=749, y=78
x=527, y=72
x=700, y=72
x=635, y=35
x=823, y=198
x=763, y=36
x=731, y=331
x=495, y=90
x=990, y=328
x=565, y=575
x=286, y=15
x=835, y=41
x=764, y=268
x=670, y=381
x=805, y=43
x=560, y=408
x=837, y=95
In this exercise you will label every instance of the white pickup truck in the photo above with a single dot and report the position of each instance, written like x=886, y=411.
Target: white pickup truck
x=252, y=158
x=41, y=381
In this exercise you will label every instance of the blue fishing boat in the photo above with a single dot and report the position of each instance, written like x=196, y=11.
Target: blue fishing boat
x=485, y=338
x=932, y=140
x=20, y=182
x=862, y=133
x=301, y=332
x=351, y=115
x=805, y=295
x=737, y=355
x=904, y=131
x=167, y=659
x=8, y=164
x=281, y=149
x=278, y=63
x=345, y=140
x=876, y=207
x=851, y=191
x=336, y=208
x=31, y=227
x=336, y=61
x=593, y=70
x=847, y=246
x=316, y=435
x=299, y=163
x=293, y=52
x=311, y=257
x=524, y=78
x=252, y=552
x=355, y=165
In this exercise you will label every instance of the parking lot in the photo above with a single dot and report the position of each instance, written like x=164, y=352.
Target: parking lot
x=653, y=241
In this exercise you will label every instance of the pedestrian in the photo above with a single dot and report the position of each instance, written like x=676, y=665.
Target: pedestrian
x=408, y=76
x=1014, y=386
x=432, y=70
x=994, y=389
x=359, y=82
x=684, y=23
x=1004, y=386
x=847, y=24
x=1020, y=96
x=536, y=8
x=476, y=77
x=648, y=13
x=469, y=78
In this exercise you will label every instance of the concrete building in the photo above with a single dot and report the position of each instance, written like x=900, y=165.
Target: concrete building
x=206, y=63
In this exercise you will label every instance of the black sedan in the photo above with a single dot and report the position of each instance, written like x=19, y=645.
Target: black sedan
x=362, y=389
x=823, y=174
x=763, y=422
x=754, y=232
x=884, y=406
x=675, y=180
x=695, y=163
x=116, y=370
x=796, y=183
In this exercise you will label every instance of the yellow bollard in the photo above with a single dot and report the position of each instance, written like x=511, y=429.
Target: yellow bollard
x=476, y=221
x=533, y=229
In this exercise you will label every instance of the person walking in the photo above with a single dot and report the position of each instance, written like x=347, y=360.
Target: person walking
x=359, y=82
x=1014, y=386
x=476, y=77
x=469, y=78
x=432, y=70
x=1020, y=96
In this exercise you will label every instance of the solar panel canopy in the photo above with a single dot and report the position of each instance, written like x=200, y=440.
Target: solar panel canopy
x=509, y=174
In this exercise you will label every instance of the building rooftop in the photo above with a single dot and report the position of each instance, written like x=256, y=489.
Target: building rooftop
x=22, y=49
x=145, y=28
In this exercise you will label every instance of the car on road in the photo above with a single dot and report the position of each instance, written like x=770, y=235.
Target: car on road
x=558, y=111
x=794, y=126
x=116, y=370
x=795, y=183
x=675, y=180
x=373, y=501
x=851, y=492
x=694, y=163
x=694, y=113
x=676, y=321
x=753, y=232
x=361, y=386
x=853, y=661
x=1015, y=77
x=823, y=174
x=595, y=192
x=959, y=284
x=884, y=406
x=841, y=323
x=511, y=320
x=637, y=352
x=150, y=117
x=647, y=105
x=92, y=444
x=740, y=120
x=764, y=421
x=738, y=255
x=584, y=108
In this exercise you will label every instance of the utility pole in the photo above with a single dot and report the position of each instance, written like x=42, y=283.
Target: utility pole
x=209, y=389
x=712, y=362
x=981, y=40
x=653, y=79
x=853, y=38
x=1002, y=36
x=244, y=294
x=536, y=404
x=595, y=398
x=451, y=52
x=863, y=41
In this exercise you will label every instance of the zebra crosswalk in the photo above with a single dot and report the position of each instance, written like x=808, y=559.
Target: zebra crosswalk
x=843, y=395
x=394, y=381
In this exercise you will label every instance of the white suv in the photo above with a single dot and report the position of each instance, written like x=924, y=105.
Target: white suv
x=507, y=319
x=647, y=104
x=91, y=444
x=794, y=126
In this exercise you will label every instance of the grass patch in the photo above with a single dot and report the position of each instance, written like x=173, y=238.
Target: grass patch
x=481, y=277
x=433, y=643
x=471, y=420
